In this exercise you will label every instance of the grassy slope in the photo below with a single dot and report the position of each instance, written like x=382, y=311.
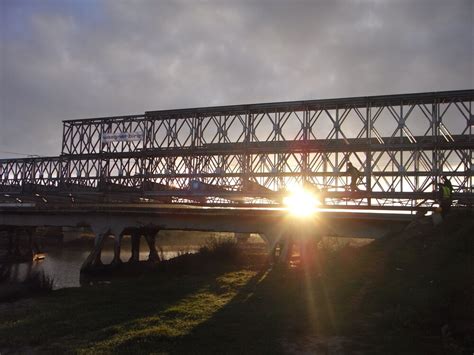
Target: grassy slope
x=396, y=295
x=422, y=283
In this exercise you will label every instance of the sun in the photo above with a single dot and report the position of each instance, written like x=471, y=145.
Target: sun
x=300, y=202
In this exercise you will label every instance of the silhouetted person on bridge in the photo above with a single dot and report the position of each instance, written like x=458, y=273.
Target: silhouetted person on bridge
x=447, y=183
x=445, y=196
x=354, y=174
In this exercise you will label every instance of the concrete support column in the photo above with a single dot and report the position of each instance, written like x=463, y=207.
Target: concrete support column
x=286, y=251
x=94, y=258
x=150, y=239
x=135, y=239
x=275, y=241
x=117, y=247
x=99, y=243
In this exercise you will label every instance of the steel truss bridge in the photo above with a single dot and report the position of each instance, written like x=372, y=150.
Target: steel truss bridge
x=249, y=155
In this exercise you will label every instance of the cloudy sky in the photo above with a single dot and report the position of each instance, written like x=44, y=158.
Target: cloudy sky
x=67, y=59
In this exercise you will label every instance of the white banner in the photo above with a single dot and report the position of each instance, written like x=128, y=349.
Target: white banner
x=122, y=137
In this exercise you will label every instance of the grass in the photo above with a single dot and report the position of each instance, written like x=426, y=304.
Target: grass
x=409, y=293
x=122, y=315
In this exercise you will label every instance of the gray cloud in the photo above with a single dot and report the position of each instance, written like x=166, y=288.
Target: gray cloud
x=73, y=59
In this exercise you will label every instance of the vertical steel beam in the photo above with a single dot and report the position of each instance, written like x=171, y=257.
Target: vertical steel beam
x=368, y=154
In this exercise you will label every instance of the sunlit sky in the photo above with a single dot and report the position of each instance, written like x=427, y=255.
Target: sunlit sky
x=74, y=59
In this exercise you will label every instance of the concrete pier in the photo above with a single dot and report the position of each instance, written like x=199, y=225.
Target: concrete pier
x=275, y=226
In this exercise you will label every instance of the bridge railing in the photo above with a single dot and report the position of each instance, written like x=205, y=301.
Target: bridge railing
x=273, y=171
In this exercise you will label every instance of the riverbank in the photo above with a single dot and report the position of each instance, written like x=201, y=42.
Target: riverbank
x=62, y=263
x=408, y=293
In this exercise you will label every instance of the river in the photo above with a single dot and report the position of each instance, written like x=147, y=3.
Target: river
x=63, y=264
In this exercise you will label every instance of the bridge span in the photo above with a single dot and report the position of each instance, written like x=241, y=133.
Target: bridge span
x=249, y=155
x=275, y=226
x=229, y=168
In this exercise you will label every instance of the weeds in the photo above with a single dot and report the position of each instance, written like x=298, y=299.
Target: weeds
x=220, y=248
x=36, y=283
x=39, y=282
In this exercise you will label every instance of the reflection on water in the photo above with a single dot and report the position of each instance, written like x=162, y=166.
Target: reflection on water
x=64, y=264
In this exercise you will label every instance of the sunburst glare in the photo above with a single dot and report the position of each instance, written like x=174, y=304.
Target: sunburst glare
x=300, y=202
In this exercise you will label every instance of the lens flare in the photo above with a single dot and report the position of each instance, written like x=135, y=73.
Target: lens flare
x=301, y=202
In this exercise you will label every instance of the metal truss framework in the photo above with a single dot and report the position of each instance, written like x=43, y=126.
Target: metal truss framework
x=250, y=154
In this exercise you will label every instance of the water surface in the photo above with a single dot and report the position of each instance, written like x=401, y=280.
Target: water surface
x=63, y=264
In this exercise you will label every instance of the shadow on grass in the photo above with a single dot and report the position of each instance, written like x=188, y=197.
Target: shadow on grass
x=75, y=318
x=408, y=293
x=272, y=305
